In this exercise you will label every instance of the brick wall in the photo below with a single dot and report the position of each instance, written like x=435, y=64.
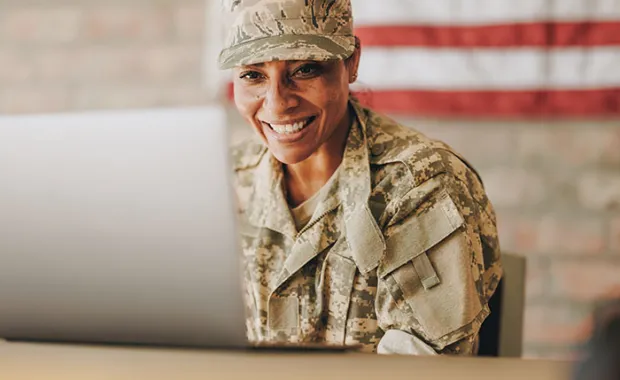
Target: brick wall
x=92, y=54
x=555, y=185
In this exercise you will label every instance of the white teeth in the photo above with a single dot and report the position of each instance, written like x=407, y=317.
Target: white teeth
x=289, y=128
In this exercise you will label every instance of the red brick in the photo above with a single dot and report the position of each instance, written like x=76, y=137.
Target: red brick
x=514, y=187
x=565, y=325
x=126, y=22
x=585, y=280
x=40, y=25
x=600, y=190
x=576, y=235
x=37, y=65
x=190, y=21
x=538, y=352
x=115, y=97
x=173, y=62
x=35, y=99
x=56, y=65
x=126, y=64
x=537, y=275
x=513, y=234
x=552, y=234
x=15, y=67
x=105, y=64
x=137, y=96
x=614, y=236
x=570, y=144
x=467, y=138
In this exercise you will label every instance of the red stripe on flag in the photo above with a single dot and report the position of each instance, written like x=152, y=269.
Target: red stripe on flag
x=502, y=104
x=555, y=34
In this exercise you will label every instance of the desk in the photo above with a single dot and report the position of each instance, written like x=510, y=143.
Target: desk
x=21, y=361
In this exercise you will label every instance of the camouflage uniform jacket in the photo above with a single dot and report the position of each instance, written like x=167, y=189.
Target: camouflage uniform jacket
x=404, y=239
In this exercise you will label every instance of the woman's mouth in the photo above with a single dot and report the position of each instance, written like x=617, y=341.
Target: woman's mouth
x=291, y=127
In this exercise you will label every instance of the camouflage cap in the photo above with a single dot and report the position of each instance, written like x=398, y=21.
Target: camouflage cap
x=277, y=30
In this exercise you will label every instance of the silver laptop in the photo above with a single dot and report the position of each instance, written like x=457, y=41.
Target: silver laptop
x=118, y=227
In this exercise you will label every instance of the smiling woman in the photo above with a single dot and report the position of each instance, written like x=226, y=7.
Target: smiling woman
x=299, y=108
x=295, y=105
x=356, y=230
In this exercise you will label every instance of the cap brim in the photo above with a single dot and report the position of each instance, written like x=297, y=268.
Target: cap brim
x=288, y=47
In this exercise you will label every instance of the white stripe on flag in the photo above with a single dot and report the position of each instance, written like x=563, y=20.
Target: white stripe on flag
x=477, y=12
x=584, y=68
x=497, y=69
x=583, y=10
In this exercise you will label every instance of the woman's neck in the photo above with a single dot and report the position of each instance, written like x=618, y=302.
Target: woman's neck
x=306, y=178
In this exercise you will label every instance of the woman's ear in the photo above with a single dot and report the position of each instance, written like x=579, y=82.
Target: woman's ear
x=353, y=61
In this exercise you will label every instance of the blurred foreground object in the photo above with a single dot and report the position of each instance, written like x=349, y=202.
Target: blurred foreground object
x=501, y=334
x=602, y=354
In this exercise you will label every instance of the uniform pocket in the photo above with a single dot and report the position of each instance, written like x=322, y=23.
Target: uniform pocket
x=283, y=316
x=431, y=261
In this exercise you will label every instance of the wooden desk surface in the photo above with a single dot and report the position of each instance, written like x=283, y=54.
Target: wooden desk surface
x=51, y=362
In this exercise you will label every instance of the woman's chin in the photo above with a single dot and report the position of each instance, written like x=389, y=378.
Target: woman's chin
x=290, y=155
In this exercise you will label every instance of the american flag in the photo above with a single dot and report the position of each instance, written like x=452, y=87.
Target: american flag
x=490, y=58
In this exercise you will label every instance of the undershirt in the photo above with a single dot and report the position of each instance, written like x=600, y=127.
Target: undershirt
x=303, y=213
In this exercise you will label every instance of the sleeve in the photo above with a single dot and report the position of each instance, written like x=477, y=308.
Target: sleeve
x=440, y=269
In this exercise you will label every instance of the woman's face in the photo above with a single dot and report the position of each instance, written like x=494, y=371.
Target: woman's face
x=295, y=106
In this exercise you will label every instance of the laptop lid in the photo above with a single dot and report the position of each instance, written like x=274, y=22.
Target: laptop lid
x=119, y=227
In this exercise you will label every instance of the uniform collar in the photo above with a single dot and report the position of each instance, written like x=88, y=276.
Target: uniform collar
x=267, y=206
x=362, y=232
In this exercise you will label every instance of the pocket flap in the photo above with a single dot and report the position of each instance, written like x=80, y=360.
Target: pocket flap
x=420, y=233
x=365, y=239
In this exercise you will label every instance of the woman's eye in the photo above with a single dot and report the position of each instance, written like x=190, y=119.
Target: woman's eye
x=250, y=75
x=308, y=70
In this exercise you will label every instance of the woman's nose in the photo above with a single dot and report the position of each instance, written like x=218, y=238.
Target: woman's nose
x=279, y=98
